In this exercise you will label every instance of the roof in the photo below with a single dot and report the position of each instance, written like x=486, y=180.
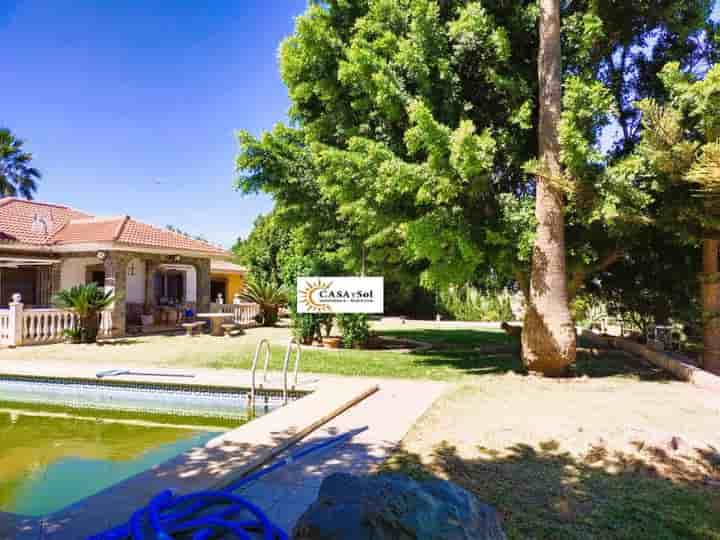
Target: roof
x=43, y=224
x=30, y=222
x=226, y=267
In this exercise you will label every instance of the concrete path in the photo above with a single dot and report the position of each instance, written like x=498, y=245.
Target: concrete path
x=381, y=420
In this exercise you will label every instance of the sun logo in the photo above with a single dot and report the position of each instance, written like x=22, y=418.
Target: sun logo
x=307, y=296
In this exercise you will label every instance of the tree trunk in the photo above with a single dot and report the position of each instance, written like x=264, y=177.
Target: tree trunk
x=548, y=337
x=711, y=306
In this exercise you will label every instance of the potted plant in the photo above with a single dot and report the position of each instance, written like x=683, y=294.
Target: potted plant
x=355, y=329
x=73, y=335
x=305, y=327
x=146, y=317
x=86, y=301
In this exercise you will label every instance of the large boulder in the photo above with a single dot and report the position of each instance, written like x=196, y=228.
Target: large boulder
x=396, y=507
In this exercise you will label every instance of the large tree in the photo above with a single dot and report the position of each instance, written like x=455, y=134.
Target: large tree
x=415, y=131
x=681, y=145
x=17, y=176
x=548, y=338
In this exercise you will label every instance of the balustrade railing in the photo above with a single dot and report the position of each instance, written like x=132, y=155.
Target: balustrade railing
x=244, y=312
x=20, y=326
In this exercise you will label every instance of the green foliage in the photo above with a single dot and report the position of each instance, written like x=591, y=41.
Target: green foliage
x=86, y=301
x=261, y=251
x=17, y=176
x=413, y=122
x=268, y=295
x=354, y=329
x=305, y=326
x=468, y=303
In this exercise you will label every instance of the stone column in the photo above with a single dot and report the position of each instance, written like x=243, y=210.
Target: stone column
x=151, y=267
x=202, y=267
x=116, y=279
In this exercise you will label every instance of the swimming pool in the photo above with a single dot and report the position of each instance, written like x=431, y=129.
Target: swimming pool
x=62, y=441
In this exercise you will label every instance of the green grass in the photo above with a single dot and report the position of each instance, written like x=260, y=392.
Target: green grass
x=454, y=354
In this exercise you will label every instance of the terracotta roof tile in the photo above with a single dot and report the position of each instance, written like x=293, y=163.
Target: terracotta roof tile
x=31, y=222
x=226, y=266
x=138, y=233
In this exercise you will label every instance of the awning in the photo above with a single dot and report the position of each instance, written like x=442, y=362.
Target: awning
x=17, y=262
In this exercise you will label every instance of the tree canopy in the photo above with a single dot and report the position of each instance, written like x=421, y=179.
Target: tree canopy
x=17, y=175
x=412, y=143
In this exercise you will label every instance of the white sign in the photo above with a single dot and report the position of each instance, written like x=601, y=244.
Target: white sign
x=340, y=295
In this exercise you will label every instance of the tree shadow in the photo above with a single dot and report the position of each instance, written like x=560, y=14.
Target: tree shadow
x=546, y=493
x=488, y=352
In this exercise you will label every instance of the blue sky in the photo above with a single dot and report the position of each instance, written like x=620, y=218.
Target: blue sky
x=130, y=107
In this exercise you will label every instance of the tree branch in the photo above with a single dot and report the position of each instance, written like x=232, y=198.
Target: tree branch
x=578, y=278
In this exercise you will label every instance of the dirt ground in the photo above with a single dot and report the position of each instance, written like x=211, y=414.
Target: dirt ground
x=607, y=457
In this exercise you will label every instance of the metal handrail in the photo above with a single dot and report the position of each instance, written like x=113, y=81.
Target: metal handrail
x=254, y=366
x=288, y=351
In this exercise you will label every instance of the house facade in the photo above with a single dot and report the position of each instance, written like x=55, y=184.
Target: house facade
x=154, y=272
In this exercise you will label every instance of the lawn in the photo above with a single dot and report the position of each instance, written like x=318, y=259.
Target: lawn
x=455, y=353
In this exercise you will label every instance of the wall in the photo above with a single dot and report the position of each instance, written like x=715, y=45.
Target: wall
x=135, y=293
x=234, y=284
x=72, y=270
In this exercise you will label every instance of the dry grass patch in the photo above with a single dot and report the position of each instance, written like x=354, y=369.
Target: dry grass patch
x=613, y=457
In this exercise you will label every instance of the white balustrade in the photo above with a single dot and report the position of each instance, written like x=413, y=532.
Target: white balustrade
x=245, y=312
x=45, y=325
x=4, y=327
x=20, y=326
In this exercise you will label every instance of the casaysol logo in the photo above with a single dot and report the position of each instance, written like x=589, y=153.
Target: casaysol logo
x=340, y=295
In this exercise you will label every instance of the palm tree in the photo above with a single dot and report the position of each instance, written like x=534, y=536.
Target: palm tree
x=86, y=301
x=268, y=295
x=16, y=174
x=548, y=337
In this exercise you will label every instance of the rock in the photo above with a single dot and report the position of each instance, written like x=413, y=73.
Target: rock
x=396, y=507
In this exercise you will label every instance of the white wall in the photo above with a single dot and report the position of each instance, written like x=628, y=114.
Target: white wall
x=135, y=292
x=72, y=271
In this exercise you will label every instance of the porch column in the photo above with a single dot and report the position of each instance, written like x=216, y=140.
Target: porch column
x=116, y=278
x=203, y=285
x=151, y=267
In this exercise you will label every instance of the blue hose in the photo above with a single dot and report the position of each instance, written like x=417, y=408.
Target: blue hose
x=206, y=514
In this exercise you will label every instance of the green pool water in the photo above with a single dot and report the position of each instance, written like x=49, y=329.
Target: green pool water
x=52, y=456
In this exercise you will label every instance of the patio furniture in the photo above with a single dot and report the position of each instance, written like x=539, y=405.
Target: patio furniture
x=190, y=327
x=216, y=321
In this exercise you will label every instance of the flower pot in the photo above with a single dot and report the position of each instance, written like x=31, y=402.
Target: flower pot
x=332, y=342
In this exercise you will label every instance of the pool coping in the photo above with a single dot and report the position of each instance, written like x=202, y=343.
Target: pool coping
x=226, y=457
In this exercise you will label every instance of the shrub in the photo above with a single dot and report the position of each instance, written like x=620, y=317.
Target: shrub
x=86, y=301
x=305, y=326
x=468, y=303
x=268, y=295
x=354, y=328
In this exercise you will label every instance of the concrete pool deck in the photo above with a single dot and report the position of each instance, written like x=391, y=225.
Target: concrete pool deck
x=381, y=419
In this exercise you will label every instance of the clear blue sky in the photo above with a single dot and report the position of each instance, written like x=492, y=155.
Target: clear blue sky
x=130, y=106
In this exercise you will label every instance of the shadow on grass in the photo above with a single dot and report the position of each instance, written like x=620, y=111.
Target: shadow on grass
x=492, y=352
x=546, y=493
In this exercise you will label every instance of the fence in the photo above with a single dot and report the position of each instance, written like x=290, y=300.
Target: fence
x=19, y=326
x=244, y=312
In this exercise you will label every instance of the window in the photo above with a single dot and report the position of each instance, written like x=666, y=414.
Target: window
x=98, y=277
x=18, y=280
x=169, y=287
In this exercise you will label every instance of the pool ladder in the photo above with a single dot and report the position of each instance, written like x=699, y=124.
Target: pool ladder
x=286, y=363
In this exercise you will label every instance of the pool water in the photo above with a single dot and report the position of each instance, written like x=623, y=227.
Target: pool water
x=53, y=455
